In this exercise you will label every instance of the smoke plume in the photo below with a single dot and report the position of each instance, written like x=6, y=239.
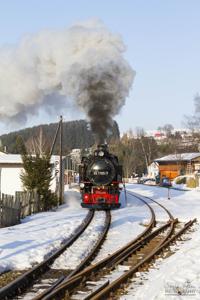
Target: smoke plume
x=83, y=64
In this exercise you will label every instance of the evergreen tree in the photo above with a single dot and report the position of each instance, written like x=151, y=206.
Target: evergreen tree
x=20, y=146
x=37, y=175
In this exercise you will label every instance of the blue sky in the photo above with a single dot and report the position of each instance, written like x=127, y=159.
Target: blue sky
x=163, y=46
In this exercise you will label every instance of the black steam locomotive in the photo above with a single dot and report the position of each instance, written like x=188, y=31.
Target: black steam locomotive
x=100, y=180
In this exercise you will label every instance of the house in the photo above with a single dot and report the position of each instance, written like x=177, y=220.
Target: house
x=76, y=156
x=174, y=165
x=11, y=167
x=153, y=170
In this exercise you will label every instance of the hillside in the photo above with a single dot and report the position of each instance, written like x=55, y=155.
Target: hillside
x=76, y=134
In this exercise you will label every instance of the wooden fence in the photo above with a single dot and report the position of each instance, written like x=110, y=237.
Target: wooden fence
x=14, y=208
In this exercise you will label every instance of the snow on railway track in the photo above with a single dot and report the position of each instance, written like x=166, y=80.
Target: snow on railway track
x=183, y=205
x=85, y=251
x=134, y=216
x=38, y=235
x=73, y=256
x=125, y=263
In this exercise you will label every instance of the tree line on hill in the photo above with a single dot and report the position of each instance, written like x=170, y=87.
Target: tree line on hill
x=135, y=152
x=76, y=134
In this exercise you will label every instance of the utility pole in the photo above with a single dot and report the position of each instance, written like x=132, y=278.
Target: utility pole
x=168, y=194
x=55, y=137
x=61, y=165
x=59, y=129
x=67, y=163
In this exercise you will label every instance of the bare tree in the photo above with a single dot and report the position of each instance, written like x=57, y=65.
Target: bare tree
x=193, y=122
x=38, y=144
x=148, y=146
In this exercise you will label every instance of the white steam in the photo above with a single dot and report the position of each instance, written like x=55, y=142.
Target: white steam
x=83, y=64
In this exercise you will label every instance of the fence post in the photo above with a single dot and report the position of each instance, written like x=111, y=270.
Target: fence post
x=28, y=199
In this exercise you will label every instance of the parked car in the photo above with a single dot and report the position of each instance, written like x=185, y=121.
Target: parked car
x=150, y=181
x=165, y=181
x=146, y=180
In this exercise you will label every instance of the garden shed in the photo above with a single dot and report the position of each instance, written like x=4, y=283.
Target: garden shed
x=174, y=165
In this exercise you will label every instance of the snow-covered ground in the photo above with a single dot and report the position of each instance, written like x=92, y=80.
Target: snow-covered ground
x=126, y=224
x=23, y=245
x=178, y=276
x=81, y=247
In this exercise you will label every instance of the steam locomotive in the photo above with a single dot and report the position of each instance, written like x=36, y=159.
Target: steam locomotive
x=100, y=180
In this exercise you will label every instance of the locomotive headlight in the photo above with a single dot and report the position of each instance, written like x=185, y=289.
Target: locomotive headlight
x=120, y=185
x=82, y=185
x=101, y=153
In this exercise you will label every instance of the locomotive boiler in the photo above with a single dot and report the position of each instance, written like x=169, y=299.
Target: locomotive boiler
x=100, y=180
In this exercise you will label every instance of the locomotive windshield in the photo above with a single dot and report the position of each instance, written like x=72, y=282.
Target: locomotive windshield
x=101, y=171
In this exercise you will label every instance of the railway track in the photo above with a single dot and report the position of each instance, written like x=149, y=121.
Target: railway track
x=92, y=253
x=103, y=279
x=17, y=286
x=109, y=290
x=103, y=263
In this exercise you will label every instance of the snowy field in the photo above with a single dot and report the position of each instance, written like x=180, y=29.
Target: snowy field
x=38, y=235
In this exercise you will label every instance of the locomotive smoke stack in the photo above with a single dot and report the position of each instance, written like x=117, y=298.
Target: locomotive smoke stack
x=82, y=66
x=103, y=147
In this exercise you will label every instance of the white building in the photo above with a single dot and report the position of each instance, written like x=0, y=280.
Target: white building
x=76, y=155
x=11, y=167
x=153, y=170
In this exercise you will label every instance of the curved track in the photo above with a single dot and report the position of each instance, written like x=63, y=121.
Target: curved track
x=154, y=247
x=135, y=255
x=152, y=200
x=92, y=253
x=70, y=283
x=21, y=283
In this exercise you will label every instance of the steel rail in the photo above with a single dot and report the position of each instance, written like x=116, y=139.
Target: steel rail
x=124, y=255
x=121, y=255
x=112, y=287
x=17, y=286
x=71, y=283
x=162, y=206
x=132, y=250
x=84, y=263
x=73, y=280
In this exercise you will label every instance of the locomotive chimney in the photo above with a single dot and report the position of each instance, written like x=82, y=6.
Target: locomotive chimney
x=103, y=147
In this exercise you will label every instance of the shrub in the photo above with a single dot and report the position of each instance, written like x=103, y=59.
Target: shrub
x=180, y=180
x=191, y=182
x=49, y=200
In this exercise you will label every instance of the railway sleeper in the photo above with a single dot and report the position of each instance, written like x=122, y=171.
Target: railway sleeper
x=144, y=264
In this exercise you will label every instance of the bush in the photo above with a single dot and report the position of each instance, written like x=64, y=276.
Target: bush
x=180, y=180
x=49, y=200
x=191, y=182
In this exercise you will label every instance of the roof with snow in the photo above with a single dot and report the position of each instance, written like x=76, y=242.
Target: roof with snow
x=16, y=158
x=179, y=157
